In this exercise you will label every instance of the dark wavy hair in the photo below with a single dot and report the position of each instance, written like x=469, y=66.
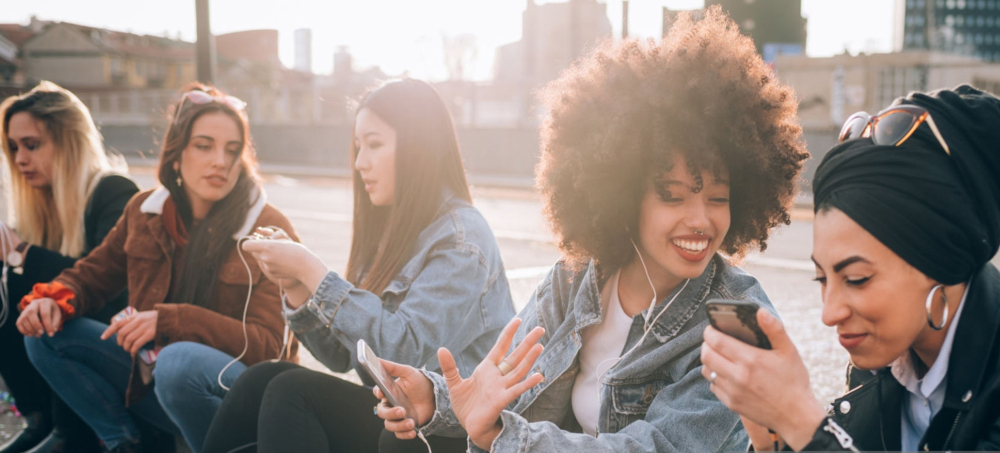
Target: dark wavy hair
x=622, y=114
x=428, y=161
x=211, y=241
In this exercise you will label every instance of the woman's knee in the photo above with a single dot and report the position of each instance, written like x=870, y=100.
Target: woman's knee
x=290, y=387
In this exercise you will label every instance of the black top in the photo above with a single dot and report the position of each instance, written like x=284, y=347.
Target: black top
x=868, y=417
x=103, y=209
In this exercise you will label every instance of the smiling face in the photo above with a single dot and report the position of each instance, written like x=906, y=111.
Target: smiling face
x=32, y=149
x=682, y=223
x=209, y=163
x=874, y=298
x=375, y=142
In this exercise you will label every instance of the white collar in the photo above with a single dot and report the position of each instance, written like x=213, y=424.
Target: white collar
x=154, y=205
x=906, y=374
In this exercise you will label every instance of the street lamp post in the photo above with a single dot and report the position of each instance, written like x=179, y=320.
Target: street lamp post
x=205, y=57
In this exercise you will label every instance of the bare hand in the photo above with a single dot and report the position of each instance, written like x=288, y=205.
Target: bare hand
x=767, y=388
x=418, y=389
x=42, y=316
x=287, y=262
x=479, y=400
x=134, y=331
x=760, y=436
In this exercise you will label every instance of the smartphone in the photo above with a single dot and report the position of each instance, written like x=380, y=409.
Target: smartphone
x=737, y=319
x=371, y=364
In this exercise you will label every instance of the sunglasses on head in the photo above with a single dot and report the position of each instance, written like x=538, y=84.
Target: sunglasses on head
x=891, y=126
x=200, y=97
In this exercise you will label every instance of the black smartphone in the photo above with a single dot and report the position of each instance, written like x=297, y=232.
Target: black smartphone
x=737, y=319
x=371, y=364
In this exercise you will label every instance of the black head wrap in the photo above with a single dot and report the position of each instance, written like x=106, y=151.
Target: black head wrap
x=940, y=213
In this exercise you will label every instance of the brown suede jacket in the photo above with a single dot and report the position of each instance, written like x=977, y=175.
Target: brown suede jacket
x=137, y=254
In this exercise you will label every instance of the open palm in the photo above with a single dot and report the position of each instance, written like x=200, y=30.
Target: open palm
x=479, y=400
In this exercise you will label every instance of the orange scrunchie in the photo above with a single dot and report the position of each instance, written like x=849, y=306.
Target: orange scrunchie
x=54, y=290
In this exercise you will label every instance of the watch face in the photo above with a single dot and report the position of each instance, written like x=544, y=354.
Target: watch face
x=14, y=259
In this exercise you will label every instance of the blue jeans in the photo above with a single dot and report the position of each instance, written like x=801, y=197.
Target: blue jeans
x=92, y=375
x=187, y=386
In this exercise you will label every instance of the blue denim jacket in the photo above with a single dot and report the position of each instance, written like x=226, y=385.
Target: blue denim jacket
x=452, y=292
x=655, y=399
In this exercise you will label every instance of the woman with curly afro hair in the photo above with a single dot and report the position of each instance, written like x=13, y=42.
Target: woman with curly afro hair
x=662, y=163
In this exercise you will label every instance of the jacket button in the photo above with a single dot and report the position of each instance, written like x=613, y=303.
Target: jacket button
x=967, y=397
x=845, y=407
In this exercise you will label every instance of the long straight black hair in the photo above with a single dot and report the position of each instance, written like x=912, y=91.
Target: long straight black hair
x=427, y=162
x=211, y=242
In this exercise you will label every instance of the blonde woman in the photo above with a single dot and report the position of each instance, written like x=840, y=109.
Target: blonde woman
x=63, y=196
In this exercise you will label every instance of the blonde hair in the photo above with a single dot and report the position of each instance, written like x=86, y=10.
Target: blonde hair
x=53, y=217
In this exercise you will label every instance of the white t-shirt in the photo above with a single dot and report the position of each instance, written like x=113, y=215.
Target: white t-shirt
x=602, y=344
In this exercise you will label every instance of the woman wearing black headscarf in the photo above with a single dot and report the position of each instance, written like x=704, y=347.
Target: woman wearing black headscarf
x=907, y=219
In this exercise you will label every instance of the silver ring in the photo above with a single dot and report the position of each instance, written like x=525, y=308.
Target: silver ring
x=712, y=377
x=504, y=367
x=375, y=410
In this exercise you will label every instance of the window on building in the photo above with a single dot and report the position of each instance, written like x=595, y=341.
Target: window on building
x=949, y=20
x=921, y=4
x=960, y=4
x=894, y=82
x=951, y=4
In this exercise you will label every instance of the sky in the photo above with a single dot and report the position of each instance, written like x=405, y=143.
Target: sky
x=406, y=35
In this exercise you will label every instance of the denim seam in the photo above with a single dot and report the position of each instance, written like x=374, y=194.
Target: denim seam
x=73, y=364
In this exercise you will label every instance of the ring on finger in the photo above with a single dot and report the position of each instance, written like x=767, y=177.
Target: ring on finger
x=712, y=377
x=375, y=409
x=505, y=367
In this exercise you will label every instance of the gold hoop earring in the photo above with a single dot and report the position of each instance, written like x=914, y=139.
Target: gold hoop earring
x=930, y=301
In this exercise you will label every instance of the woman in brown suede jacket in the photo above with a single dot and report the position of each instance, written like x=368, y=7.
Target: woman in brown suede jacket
x=175, y=250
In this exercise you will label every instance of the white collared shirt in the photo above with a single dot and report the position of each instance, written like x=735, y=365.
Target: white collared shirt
x=925, y=395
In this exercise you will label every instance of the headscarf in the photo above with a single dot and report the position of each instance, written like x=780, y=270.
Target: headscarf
x=940, y=213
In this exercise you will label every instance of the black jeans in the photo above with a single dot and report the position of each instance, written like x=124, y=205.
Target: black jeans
x=279, y=407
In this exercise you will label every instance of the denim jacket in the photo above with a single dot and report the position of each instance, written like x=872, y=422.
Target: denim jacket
x=451, y=293
x=655, y=399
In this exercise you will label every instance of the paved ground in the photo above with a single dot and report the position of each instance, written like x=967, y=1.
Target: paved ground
x=320, y=209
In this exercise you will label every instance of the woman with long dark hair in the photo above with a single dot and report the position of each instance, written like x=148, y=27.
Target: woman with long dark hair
x=424, y=272
x=194, y=304
x=64, y=196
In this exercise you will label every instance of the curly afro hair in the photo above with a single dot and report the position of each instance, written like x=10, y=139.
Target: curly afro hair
x=622, y=115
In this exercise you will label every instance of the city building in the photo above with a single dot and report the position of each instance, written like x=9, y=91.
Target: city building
x=553, y=35
x=831, y=89
x=79, y=56
x=776, y=26
x=963, y=27
x=303, y=50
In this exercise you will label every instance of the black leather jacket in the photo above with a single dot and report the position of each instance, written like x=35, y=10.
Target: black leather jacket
x=868, y=416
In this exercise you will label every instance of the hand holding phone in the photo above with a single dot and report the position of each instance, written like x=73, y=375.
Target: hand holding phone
x=393, y=394
x=737, y=319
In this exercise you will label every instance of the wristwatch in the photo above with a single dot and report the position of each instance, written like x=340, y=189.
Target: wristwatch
x=16, y=257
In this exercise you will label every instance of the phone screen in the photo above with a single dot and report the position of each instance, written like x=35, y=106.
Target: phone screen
x=371, y=364
x=738, y=319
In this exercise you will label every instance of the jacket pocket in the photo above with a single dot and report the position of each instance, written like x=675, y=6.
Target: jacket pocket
x=635, y=399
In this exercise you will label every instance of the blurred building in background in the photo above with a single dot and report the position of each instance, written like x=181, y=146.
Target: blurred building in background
x=776, y=26
x=303, y=50
x=962, y=27
x=87, y=57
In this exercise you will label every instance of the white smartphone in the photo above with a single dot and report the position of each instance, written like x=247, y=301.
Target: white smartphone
x=371, y=364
